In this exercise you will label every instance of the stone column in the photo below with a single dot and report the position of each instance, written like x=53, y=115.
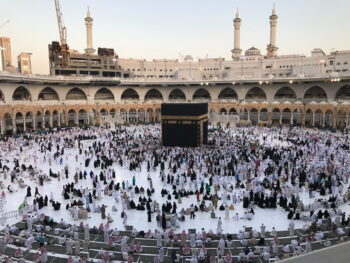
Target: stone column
x=281, y=118
x=258, y=117
x=323, y=120
x=59, y=119
x=303, y=118
x=2, y=126
x=43, y=119
x=24, y=124
x=291, y=118
x=14, y=126
x=34, y=122
x=76, y=119
x=313, y=120
x=50, y=120
x=347, y=120
x=65, y=114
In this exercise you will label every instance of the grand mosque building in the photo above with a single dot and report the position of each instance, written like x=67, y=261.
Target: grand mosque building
x=253, y=88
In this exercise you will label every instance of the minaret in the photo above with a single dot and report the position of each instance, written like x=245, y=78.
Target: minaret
x=89, y=22
x=236, y=51
x=271, y=48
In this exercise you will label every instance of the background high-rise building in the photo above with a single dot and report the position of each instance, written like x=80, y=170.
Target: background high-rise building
x=6, y=59
x=24, y=63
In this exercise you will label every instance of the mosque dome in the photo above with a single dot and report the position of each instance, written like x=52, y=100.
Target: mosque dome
x=253, y=51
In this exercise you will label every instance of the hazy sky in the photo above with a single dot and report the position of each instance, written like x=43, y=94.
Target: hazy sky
x=164, y=28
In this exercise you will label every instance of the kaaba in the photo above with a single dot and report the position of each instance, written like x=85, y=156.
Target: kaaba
x=184, y=124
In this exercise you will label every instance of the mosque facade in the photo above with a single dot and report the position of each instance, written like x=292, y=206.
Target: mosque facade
x=89, y=88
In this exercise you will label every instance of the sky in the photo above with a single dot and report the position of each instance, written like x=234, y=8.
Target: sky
x=165, y=29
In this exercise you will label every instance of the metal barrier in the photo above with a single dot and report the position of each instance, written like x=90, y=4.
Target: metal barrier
x=15, y=213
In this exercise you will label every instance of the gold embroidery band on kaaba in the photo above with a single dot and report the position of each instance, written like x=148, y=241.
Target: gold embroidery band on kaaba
x=194, y=118
x=184, y=122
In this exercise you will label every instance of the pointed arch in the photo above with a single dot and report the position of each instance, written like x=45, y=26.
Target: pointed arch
x=130, y=94
x=315, y=93
x=343, y=93
x=228, y=94
x=233, y=111
x=48, y=94
x=104, y=94
x=201, y=94
x=153, y=94
x=285, y=93
x=223, y=111
x=177, y=94
x=21, y=93
x=76, y=94
x=255, y=93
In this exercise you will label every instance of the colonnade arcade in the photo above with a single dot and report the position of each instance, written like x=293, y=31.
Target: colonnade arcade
x=31, y=107
x=32, y=119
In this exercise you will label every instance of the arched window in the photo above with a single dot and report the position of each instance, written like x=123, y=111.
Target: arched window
x=130, y=94
x=177, y=94
x=201, y=94
x=76, y=94
x=104, y=94
x=21, y=93
x=48, y=94
x=255, y=93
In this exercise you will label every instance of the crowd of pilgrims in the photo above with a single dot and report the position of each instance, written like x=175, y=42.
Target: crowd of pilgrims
x=252, y=167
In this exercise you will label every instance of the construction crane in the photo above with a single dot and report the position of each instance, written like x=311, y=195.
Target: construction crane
x=63, y=57
x=3, y=24
x=61, y=27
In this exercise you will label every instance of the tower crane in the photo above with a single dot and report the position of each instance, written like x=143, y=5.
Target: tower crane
x=63, y=35
x=3, y=24
x=61, y=27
